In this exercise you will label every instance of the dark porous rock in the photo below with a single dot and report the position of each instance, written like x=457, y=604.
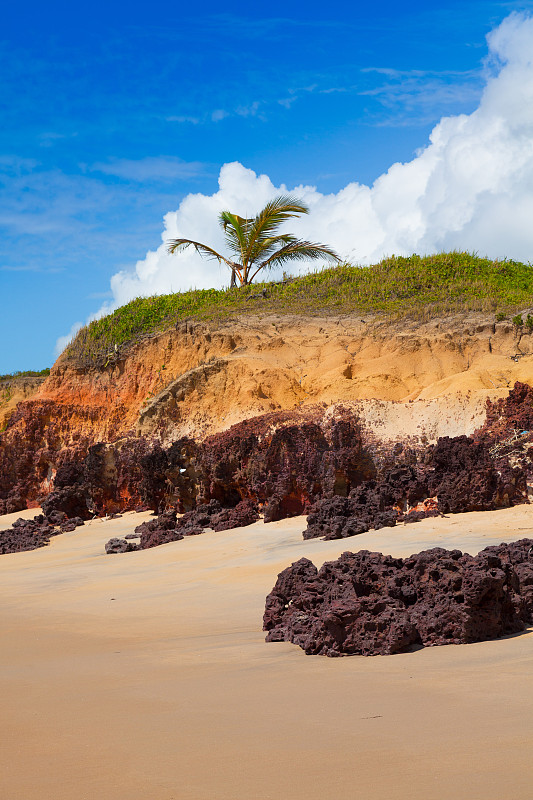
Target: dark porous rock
x=132, y=536
x=458, y=474
x=375, y=504
x=315, y=460
x=372, y=604
x=71, y=524
x=116, y=545
x=464, y=477
x=56, y=517
x=167, y=527
x=71, y=500
x=511, y=413
x=160, y=530
x=200, y=517
x=69, y=473
x=26, y=534
x=519, y=555
x=284, y=461
x=15, y=502
x=245, y=513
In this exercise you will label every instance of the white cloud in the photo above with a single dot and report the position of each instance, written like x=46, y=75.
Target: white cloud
x=161, y=168
x=64, y=340
x=181, y=118
x=471, y=188
x=219, y=114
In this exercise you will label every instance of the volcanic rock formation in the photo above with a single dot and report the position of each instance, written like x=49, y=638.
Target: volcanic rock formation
x=167, y=527
x=318, y=460
x=456, y=475
x=372, y=604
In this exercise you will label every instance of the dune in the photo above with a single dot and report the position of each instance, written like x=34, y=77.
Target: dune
x=146, y=676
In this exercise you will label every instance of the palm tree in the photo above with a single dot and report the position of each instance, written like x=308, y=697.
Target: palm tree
x=254, y=244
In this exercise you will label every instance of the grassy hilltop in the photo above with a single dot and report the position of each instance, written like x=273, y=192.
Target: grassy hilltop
x=398, y=287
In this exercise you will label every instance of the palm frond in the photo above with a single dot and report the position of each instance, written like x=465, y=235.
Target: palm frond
x=274, y=214
x=176, y=245
x=266, y=247
x=235, y=230
x=298, y=250
x=227, y=218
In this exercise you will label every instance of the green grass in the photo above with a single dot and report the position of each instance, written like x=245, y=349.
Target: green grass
x=420, y=287
x=28, y=373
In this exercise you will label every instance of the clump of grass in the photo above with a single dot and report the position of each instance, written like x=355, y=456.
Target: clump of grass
x=420, y=287
x=28, y=373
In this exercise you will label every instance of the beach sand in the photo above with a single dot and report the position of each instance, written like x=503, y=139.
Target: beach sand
x=145, y=676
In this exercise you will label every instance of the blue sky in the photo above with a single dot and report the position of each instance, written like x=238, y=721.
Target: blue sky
x=112, y=113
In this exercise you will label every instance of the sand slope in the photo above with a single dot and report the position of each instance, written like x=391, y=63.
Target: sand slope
x=146, y=676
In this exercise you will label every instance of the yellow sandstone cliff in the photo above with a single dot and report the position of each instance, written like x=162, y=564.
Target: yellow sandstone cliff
x=425, y=379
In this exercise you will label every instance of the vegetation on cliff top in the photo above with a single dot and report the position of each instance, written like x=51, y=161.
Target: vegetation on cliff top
x=28, y=373
x=419, y=287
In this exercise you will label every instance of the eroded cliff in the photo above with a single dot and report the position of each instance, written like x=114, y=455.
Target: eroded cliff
x=198, y=379
x=404, y=381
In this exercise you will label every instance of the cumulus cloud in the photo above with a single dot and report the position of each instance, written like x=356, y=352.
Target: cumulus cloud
x=64, y=340
x=470, y=187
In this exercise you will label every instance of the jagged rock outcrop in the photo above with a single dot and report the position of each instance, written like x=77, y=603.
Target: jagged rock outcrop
x=289, y=463
x=26, y=535
x=456, y=475
x=332, y=416
x=372, y=604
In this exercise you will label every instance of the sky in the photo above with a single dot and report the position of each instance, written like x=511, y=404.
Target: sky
x=405, y=127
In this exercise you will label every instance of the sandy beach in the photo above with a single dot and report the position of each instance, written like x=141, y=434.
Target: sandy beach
x=145, y=676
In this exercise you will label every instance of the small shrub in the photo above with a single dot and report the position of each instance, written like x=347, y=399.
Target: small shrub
x=529, y=322
x=500, y=316
x=518, y=321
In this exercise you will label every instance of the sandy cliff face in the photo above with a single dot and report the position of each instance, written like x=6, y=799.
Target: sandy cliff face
x=408, y=382
x=14, y=391
x=198, y=379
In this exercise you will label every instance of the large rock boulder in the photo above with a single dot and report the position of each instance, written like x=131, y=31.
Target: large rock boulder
x=372, y=604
